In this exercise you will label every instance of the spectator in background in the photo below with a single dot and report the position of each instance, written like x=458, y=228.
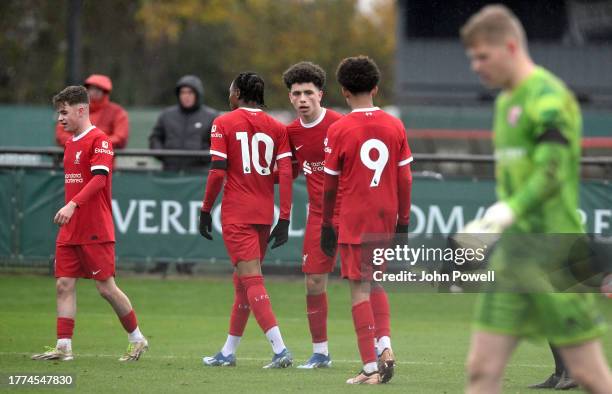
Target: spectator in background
x=104, y=114
x=185, y=126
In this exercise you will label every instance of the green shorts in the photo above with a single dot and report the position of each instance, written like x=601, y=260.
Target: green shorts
x=562, y=318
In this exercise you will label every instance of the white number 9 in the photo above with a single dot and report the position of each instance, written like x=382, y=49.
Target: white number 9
x=377, y=165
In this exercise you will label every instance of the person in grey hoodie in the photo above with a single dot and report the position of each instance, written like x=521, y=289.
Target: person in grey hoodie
x=185, y=126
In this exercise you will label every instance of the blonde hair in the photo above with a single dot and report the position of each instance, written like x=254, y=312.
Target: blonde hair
x=493, y=23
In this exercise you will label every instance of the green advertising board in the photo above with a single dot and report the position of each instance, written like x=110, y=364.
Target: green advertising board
x=156, y=214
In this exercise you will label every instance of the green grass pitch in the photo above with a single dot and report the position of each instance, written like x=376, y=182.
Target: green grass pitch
x=185, y=319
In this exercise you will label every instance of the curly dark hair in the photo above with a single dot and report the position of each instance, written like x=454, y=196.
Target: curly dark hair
x=71, y=95
x=251, y=87
x=358, y=74
x=304, y=72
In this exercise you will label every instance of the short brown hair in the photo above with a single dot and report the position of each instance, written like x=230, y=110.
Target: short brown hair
x=304, y=72
x=71, y=95
x=493, y=23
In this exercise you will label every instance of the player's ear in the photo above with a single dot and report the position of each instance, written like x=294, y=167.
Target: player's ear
x=374, y=91
x=345, y=92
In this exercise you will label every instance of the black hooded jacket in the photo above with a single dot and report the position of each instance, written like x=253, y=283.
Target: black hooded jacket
x=184, y=128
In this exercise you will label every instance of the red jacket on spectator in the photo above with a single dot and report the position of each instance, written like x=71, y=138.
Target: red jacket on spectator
x=104, y=114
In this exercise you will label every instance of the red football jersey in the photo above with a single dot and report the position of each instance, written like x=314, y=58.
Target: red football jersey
x=366, y=148
x=307, y=142
x=92, y=222
x=251, y=141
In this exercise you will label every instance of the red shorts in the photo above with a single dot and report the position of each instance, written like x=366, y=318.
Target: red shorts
x=314, y=261
x=245, y=242
x=90, y=261
x=357, y=261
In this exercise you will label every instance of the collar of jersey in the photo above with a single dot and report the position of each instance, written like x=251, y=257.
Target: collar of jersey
x=250, y=109
x=83, y=134
x=314, y=122
x=366, y=109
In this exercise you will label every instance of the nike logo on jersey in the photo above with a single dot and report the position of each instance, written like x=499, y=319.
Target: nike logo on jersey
x=96, y=272
x=298, y=147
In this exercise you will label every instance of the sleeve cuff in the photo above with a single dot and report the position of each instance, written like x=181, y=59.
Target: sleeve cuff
x=330, y=171
x=217, y=153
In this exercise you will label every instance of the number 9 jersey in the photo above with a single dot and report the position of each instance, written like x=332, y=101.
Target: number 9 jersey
x=365, y=149
x=251, y=141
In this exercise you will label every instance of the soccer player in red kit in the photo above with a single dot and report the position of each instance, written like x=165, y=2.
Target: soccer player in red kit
x=246, y=144
x=305, y=82
x=85, y=246
x=368, y=155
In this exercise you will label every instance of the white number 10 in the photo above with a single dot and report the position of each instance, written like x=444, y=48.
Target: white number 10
x=243, y=137
x=377, y=165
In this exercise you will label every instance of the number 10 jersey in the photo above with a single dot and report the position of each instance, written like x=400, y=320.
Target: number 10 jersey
x=251, y=141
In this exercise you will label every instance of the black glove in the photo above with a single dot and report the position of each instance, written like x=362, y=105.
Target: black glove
x=280, y=233
x=329, y=240
x=206, y=225
x=401, y=229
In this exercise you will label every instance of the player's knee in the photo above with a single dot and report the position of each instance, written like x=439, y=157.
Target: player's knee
x=480, y=369
x=64, y=286
x=105, y=290
x=315, y=284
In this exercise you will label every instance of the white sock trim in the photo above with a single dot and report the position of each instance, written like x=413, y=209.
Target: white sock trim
x=370, y=367
x=275, y=339
x=135, y=336
x=383, y=343
x=64, y=343
x=231, y=345
x=321, y=348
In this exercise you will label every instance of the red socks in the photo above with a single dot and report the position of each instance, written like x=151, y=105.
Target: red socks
x=380, y=307
x=240, y=310
x=129, y=321
x=65, y=327
x=316, y=309
x=363, y=320
x=259, y=301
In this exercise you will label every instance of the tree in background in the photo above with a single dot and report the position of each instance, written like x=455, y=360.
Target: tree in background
x=145, y=45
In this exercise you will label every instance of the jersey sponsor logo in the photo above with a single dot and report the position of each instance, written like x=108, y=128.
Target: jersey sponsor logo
x=105, y=151
x=308, y=168
x=105, y=144
x=77, y=157
x=514, y=114
x=73, y=178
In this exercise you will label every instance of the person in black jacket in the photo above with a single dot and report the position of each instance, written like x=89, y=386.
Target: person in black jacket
x=185, y=126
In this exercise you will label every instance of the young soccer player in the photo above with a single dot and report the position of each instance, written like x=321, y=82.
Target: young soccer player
x=305, y=82
x=368, y=155
x=246, y=143
x=537, y=132
x=85, y=245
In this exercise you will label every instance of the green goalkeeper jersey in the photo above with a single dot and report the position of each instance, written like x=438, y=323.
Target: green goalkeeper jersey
x=537, y=131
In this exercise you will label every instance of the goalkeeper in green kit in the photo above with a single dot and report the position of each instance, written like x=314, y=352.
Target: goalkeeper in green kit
x=537, y=130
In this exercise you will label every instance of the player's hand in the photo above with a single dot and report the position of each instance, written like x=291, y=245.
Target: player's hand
x=329, y=240
x=280, y=233
x=63, y=215
x=206, y=225
x=401, y=229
